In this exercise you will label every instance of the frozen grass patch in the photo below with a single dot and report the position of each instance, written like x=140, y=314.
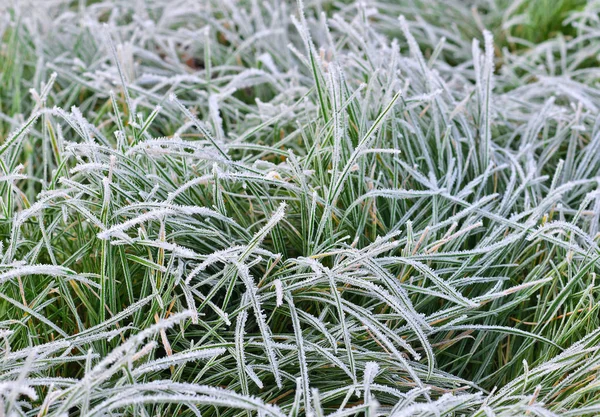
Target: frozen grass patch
x=227, y=208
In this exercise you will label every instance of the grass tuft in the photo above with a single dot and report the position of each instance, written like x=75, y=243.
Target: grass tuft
x=233, y=208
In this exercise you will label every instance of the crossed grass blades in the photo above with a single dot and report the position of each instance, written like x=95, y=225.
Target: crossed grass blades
x=278, y=209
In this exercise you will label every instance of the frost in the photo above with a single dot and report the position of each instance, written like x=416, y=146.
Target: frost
x=275, y=208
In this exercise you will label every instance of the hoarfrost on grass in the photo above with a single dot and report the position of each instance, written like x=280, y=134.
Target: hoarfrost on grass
x=320, y=208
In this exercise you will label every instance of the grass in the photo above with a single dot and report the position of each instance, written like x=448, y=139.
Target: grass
x=273, y=208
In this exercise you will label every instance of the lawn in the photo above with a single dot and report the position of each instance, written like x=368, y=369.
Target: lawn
x=279, y=208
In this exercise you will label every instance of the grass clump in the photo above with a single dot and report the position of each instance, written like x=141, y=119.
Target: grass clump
x=228, y=208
